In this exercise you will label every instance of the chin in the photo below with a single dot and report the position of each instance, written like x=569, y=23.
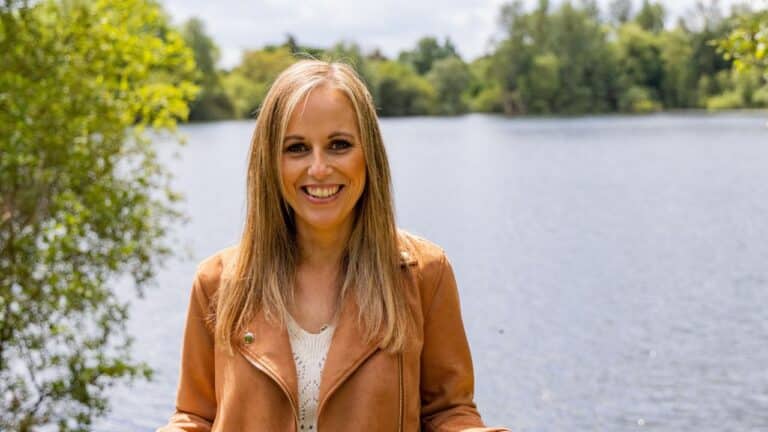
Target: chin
x=324, y=223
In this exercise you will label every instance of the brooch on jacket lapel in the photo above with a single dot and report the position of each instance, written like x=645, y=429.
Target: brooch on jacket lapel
x=248, y=338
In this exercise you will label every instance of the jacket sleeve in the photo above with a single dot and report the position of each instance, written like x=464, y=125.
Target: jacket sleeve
x=447, y=380
x=196, y=398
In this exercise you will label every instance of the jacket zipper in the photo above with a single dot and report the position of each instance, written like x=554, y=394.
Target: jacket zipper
x=265, y=369
x=401, y=393
x=339, y=382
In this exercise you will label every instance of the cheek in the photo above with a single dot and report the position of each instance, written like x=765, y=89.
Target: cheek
x=288, y=178
x=360, y=170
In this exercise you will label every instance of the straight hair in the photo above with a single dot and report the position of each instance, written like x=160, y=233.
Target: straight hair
x=263, y=273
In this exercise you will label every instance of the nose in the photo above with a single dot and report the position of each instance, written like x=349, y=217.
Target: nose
x=319, y=167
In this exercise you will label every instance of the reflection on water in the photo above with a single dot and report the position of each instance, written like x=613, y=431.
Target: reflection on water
x=612, y=269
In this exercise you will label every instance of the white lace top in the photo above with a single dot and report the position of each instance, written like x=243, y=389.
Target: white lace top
x=309, y=352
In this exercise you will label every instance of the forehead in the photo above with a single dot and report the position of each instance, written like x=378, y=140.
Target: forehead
x=323, y=109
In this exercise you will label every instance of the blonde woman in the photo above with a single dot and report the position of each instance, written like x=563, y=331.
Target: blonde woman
x=324, y=316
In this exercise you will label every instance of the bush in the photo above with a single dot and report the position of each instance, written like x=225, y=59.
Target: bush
x=728, y=100
x=83, y=199
x=638, y=100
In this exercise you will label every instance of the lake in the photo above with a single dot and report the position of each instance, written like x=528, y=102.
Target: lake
x=613, y=270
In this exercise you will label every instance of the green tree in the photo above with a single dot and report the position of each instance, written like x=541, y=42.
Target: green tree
x=483, y=92
x=707, y=24
x=588, y=74
x=641, y=64
x=428, y=50
x=83, y=199
x=741, y=89
x=620, y=11
x=247, y=84
x=212, y=103
x=555, y=61
x=651, y=17
x=543, y=84
x=514, y=55
x=399, y=91
x=747, y=43
x=350, y=53
x=450, y=77
x=678, y=78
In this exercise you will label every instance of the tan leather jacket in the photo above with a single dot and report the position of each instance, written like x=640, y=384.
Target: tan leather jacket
x=427, y=387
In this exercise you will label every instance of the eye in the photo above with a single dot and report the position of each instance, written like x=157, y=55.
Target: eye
x=298, y=147
x=340, y=144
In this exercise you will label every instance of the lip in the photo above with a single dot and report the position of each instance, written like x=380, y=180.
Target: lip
x=316, y=200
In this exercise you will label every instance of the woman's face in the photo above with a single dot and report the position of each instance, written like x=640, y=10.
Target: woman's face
x=322, y=162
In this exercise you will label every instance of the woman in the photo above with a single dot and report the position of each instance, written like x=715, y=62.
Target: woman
x=324, y=316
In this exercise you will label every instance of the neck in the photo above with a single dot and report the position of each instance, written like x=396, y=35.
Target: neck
x=322, y=249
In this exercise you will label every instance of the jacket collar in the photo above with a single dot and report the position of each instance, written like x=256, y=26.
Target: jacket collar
x=267, y=344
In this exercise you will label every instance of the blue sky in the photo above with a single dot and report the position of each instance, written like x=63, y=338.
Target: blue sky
x=390, y=25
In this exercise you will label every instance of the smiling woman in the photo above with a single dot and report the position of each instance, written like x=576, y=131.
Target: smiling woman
x=324, y=316
x=323, y=166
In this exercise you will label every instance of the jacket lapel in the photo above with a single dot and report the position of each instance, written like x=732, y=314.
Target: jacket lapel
x=348, y=350
x=270, y=348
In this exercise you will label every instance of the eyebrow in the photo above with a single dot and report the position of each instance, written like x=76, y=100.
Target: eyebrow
x=331, y=135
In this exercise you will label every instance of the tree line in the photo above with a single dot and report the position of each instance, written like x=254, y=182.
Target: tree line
x=569, y=59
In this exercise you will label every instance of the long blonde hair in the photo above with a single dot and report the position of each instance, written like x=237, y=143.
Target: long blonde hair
x=263, y=273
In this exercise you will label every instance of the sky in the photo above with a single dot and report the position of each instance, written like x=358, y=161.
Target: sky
x=389, y=25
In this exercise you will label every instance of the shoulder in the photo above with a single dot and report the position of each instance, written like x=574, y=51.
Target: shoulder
x=429, y=258
x=419, y=249
x=214, y=268
x=433, y=271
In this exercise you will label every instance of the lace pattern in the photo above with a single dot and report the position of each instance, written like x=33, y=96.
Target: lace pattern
x=309, y=353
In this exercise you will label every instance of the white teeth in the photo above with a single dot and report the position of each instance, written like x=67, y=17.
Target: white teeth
x=323, y=192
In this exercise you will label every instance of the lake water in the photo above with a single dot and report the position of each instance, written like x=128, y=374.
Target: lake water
x=613, y=270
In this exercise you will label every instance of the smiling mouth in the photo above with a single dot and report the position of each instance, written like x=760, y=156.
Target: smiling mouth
x=322, y=192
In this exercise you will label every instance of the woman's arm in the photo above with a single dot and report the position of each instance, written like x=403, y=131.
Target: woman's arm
x=447, y=380
x=196, y=397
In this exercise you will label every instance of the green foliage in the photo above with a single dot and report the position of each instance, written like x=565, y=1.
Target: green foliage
x=742, y=89
x=543, y=83
x=678, y=77
x=651, y=17
x=450, y=78
x=351, y=54
x=559, y=58
x=212, y=102
x=248, y=83
x=760, y=97
x=83, y=199
x=728, y=100
x=565, y=60
x=483, y=93
x=428, y=51
x=640, y=61
x=554, y=61
x=747, y=43
x=399, y=91
x=620, y=11
x=588, y=72
x=205, y=50
x=638, y=99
